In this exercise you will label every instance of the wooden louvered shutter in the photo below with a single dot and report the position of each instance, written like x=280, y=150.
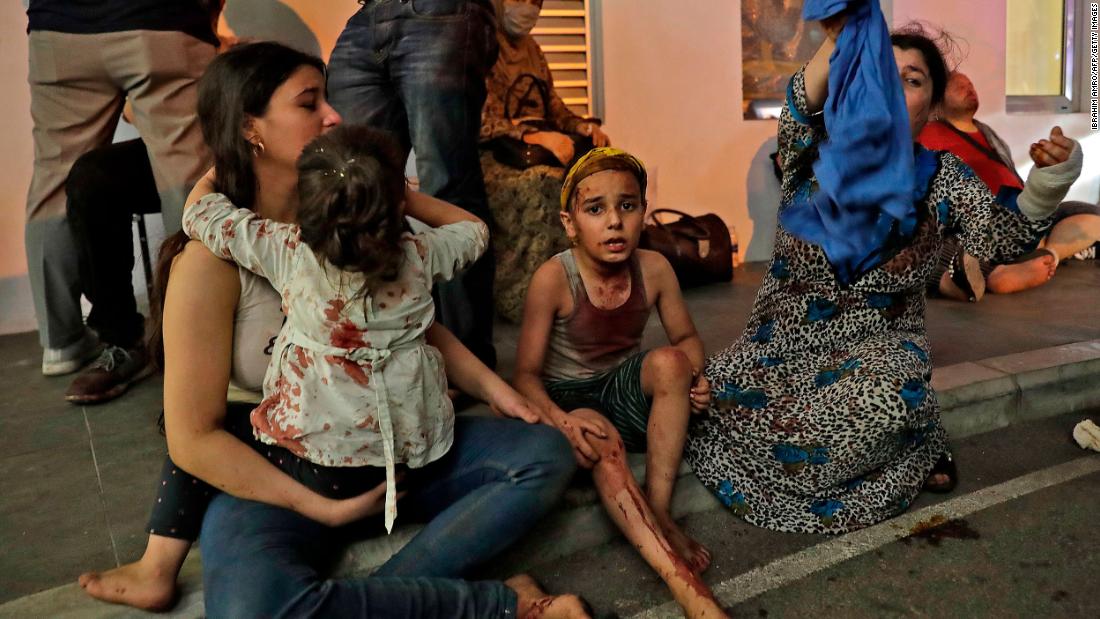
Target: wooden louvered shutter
x=563, y=32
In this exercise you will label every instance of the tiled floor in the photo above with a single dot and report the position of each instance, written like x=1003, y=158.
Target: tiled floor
x=76, y=482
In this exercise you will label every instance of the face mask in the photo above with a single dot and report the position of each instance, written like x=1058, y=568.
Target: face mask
x=519, y=18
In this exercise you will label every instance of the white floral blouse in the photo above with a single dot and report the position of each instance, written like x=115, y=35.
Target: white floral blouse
x=352, y=381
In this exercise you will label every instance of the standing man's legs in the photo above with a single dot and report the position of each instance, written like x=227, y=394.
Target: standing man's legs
x=105, y=188
x=160, y=71
x=359, y=83
x=440, y=65
x=418, y=70
x=75, y=108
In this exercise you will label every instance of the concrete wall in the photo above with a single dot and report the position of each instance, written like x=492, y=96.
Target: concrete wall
x=671, y=93
x=16, y=159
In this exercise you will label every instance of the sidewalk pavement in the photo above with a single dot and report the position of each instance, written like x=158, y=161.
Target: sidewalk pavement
x=1004, y=361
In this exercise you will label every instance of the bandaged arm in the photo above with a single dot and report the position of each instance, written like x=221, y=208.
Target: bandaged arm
x=1047, y=187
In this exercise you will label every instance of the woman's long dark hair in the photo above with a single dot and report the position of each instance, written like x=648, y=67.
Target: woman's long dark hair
x=351, y=183
x=237, y=84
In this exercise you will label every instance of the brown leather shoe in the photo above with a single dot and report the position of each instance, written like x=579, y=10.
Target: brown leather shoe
x=110, y=375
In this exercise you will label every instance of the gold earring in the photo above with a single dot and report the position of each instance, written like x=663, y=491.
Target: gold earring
x=258, y=148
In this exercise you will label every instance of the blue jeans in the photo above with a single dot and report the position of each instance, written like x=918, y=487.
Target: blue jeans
x=498, y=479
x=417, y=68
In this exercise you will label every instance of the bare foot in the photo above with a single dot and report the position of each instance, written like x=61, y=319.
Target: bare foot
x=939, y=479
x=950, y=289
x=1010, y=278
x=135, y=584
x=534, y=603
x=972, y=275
x=691, y=551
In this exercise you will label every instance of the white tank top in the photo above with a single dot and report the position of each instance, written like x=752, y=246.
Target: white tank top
x=256, y=324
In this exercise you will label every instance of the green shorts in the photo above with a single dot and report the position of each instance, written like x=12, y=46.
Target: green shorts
x=616, y=393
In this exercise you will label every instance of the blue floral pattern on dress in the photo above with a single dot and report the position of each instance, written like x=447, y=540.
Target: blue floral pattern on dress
x=819, y=455
x=834, y=374
x=879, y=300
x=752, y=398
x=732, y=498
x=780, y=270
x=913, y=392
x=795, y=458
x=819, y=309
x=890, y=306
x=769, y=362
x=763, y=333
x=900, y=505
x=826, y=509
x=731, y=395
x=912, y=347
x=943, y=212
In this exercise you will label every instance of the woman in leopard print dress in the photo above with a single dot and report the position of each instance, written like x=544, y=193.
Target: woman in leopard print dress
x=823, y=417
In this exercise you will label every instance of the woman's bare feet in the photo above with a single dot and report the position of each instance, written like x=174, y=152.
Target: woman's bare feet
x=939, y=479
x=149, y=583
x=534, y=603
x=944, y=475
x=950, y=289
x=971, y=283
x=695, y=554
x=1009, y=278
x=134, y=584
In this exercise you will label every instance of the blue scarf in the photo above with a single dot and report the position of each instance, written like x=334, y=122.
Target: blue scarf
x=866, y=168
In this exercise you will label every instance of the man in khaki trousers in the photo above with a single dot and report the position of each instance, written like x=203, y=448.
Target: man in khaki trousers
x=85, y=62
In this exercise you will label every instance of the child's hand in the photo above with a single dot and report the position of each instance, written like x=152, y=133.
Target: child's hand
x=338, y=512
x=507, y=402
x=204, y=186
x=700, y=394
x=575, y=428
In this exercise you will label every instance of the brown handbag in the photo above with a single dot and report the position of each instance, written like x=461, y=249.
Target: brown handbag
x=699, y=248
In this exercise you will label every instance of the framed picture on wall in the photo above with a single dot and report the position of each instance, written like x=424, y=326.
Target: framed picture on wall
x=775, y=42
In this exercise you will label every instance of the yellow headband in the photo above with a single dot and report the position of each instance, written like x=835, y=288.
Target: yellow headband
x=598, y=160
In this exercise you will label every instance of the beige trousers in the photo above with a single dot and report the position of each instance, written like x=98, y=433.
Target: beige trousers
x=79, y=83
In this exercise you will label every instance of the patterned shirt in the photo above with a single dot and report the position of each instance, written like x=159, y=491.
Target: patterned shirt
x=352, y=381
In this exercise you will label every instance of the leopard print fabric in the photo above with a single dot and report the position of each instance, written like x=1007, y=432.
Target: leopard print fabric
x=823, y=418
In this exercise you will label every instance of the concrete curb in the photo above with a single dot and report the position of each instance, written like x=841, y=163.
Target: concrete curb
x=974, y=397
x=997, y=392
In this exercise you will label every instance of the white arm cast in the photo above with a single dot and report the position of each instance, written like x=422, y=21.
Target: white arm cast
x=1047, y=187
